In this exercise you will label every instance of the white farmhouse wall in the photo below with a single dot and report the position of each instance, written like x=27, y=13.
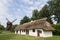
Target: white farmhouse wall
x=47, y=34
x=23, y=33
x=18, y=32
x=15, y=32
x=31, y=33
x=41, y=34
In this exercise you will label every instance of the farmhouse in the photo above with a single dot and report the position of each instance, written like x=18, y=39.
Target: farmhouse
x=40, y=28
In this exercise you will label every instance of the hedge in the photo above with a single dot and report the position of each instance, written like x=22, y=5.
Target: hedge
x=57, y=29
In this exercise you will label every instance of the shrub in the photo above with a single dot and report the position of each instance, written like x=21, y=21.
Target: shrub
x=57, y=27
x=1, y=27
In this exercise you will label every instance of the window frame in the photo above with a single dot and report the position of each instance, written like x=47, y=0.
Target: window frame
x=33, y=30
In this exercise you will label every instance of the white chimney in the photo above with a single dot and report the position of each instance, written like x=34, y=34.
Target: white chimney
x=31, y=20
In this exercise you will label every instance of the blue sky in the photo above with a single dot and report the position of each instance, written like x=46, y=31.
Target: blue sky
x=17, y=9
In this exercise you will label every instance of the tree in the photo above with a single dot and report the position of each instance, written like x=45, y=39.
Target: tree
x=1, y=27
x=14, y=26
x=57, y=29
x=44, y=12
x=25, y=20
x=54, y=7
x=34, y=14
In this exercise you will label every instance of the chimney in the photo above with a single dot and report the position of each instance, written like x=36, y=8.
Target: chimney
x=31, y=20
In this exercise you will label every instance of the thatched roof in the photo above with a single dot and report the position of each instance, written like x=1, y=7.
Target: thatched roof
x=37, y=24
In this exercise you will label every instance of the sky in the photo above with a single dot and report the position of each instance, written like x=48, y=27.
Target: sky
x=17, y=9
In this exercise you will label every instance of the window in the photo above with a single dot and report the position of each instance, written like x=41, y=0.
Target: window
x=23, y=30
x=33, y=30
x=39, y=31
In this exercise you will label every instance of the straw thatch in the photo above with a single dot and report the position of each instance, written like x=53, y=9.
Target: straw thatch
x=37, y=24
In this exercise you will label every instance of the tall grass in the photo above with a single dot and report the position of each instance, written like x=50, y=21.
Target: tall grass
x=6, y=35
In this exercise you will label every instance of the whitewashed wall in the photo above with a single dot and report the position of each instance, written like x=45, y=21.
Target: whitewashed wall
x=15, y=32
x=18, y=32
x=41, y=34
x=23, y=33
x=31, y=33
x=47, y=34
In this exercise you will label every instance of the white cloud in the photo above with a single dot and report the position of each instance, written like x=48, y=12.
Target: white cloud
x=36, y=4
x=3, y=12
x=23, y=9
x=27, y=1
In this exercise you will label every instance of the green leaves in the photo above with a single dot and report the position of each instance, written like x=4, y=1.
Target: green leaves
x=54, y=8
x=44, y=12
x=25, y=20
x=57, y=27
x=34, y=14
x=1, y=27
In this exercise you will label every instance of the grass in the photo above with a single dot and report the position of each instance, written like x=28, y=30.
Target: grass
x=6, y=35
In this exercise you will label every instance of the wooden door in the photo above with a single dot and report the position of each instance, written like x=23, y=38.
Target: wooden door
x=38, y=34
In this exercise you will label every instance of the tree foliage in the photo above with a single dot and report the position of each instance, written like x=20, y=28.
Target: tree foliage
x=1, y=27
x=44, y=12
x=57, y=29
x=54, y=8
x=14, y=26
x=25, y=20
x=34, y=14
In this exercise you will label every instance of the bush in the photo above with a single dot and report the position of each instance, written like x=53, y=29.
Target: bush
x=1, y=27
x=57, y=27
x=13, y=27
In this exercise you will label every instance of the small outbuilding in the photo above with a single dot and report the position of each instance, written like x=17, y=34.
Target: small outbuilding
x=40, y=28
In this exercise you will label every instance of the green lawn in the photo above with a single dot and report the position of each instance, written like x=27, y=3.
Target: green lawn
x=11, y=36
